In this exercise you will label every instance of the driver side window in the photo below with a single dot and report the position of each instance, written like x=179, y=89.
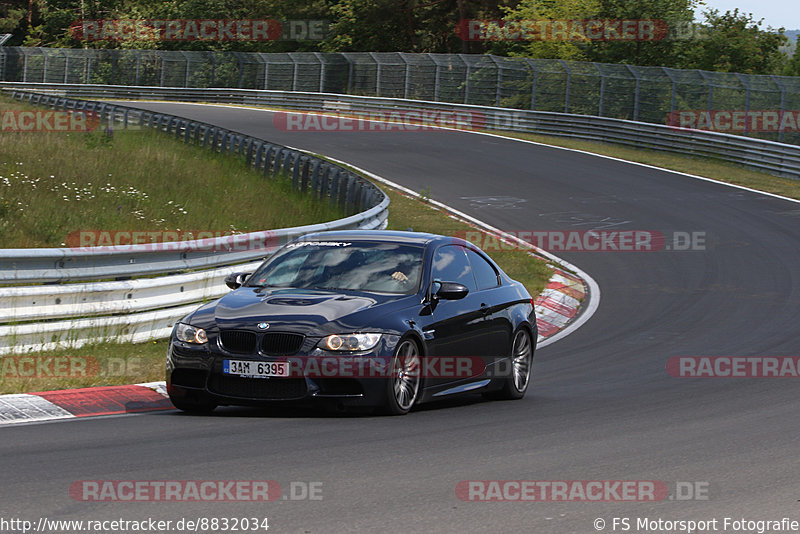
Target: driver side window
x=450, y=264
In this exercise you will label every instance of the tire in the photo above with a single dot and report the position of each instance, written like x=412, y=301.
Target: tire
x=517, y=383
x=403, y=387
x=192, y=407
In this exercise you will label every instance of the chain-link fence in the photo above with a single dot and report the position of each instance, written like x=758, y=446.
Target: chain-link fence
x=757, y=105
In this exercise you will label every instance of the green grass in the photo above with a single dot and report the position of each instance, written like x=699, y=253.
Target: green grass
x=106, y=364
x=56, y=184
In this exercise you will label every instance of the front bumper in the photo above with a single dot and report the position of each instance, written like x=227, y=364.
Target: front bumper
x=195, y=374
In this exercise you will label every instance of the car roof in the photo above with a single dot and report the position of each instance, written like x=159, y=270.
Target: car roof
x=388, y=236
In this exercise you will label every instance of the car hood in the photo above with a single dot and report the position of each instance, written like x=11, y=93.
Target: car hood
x=308, y=312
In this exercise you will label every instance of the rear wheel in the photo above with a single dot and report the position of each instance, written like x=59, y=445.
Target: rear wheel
x=519, y=377
x=403, y=385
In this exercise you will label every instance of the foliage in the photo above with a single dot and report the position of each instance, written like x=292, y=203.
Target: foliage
x=730, y=41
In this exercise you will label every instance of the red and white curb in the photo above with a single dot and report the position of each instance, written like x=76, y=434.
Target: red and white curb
x=85, y=402
x=558, y=303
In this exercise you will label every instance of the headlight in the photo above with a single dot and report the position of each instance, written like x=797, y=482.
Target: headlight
x=190, y=334
x=350, y=342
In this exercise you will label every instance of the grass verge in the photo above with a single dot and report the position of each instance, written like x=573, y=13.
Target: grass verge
x=56, y=186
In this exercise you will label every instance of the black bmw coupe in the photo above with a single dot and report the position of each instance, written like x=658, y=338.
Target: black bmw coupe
x=378, y=319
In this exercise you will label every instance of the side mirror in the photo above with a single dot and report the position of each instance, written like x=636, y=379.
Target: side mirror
x=451, y=291
x=235, y=280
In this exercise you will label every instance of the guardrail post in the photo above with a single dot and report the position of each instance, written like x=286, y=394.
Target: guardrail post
x=276, y=161
x=315, y=178
x=346, y=193
x=330, y=183
x=304, y=174
x=258, y=155
x=287, y=161
x=262, y=162
x=295, y=169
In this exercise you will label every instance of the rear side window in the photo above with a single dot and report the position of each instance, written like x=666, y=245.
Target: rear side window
x=485, y=275
x=450, y=264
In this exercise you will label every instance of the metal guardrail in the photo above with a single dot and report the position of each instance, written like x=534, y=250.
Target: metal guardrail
x=768, y=156
x=43, y=317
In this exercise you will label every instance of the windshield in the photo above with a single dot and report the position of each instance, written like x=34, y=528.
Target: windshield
x=335, y=265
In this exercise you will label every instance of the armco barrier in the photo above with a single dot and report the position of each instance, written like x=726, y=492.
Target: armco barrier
x=134, y=310
x=768, y=156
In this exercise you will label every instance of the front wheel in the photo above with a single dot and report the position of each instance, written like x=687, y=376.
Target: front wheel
x=402, y=388
x=517, y=382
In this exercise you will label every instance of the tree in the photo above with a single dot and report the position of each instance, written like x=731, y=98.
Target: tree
x=11, y=16
x=668, y=48
x=407, y=25
x=735, y=42
x=792, y=67
x=544, y=10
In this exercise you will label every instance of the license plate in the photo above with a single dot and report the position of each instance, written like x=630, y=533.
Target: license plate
x=255, y=369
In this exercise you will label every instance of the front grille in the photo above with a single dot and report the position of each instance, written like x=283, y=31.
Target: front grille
x=281, y=344
x=238, y=341
x=258, y=388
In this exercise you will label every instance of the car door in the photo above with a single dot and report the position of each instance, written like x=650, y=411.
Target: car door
x=496, y=342
x=456, y=328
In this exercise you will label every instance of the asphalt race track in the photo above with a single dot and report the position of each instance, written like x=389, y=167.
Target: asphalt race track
x=603, y=406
